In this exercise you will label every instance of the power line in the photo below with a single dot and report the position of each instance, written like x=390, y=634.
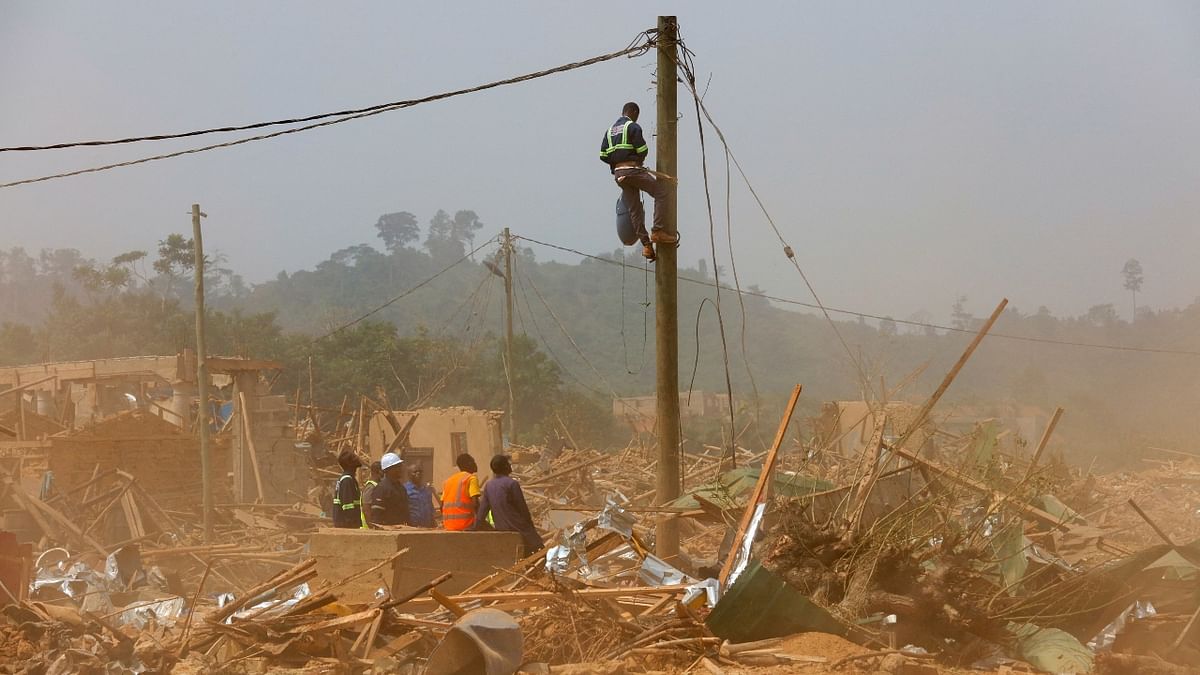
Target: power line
x=865, y=315
x=406, y=293
x=550, y=350
x=612, y=390
x=640, y=44
x=690, y=77
x=690, y=81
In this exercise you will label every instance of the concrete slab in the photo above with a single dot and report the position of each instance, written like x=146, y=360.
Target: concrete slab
x=469, y=556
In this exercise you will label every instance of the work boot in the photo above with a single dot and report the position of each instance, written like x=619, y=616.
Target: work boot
x=663, y=237
x=648, y=253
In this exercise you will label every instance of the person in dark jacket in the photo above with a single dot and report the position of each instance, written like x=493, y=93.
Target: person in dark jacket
x=389, y=499
x=624, y=150
x=347, y=500
x=502, y=496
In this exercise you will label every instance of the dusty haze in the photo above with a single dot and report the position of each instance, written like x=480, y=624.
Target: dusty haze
x=911, y=153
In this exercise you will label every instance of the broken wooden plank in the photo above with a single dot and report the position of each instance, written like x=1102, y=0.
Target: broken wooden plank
x=1041, y=446
x=447, y=602
x=335, y=623
x=870, y=469
x=760, y=488
x=400, y=441
x=966, y=481
x=584, y=592
x=416, y=592
x=563, y=472
x=133, y=517
x=248, y=432
x=31, y=503
x=927, y=407
x=1153, y=525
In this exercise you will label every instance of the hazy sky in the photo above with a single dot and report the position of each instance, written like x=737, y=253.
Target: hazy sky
x=910, y=152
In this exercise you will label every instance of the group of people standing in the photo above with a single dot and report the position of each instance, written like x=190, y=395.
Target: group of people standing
x=389, y=498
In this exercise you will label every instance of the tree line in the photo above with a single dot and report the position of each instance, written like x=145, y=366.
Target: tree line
x=586, y=335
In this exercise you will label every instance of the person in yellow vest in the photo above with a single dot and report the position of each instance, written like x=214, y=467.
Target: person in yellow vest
x=460, y=495
x=347, y=499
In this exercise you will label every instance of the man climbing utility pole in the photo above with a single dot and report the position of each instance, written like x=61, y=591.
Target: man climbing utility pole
x=666, y=322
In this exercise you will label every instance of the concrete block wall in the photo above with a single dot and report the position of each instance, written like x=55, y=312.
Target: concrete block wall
x=469, y=556
x=282, y=467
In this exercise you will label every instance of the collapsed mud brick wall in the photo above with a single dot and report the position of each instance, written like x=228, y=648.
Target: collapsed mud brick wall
x=163, y=460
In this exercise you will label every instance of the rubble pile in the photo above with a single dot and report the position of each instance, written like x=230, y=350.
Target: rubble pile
x=914, y=553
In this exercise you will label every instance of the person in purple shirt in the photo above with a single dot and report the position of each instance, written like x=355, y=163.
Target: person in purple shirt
x=502, y=496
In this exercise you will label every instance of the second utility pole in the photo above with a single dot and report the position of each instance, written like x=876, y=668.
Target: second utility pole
x=666, y=315
x=202, y=417
x=509, y=370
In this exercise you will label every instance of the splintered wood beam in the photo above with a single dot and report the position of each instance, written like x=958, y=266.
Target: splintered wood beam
x=946, y=381
x=27, y=385
x=585, y=592
x=1041, y=446
x=248, y=431
x=954, y=476
x=760, y=488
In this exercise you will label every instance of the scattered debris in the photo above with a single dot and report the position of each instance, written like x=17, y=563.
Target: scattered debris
x=882, y=543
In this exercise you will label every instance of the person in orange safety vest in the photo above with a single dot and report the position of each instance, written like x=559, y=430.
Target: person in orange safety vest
x=460, y=495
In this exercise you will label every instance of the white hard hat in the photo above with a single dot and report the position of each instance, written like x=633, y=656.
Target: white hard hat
x=389, y=460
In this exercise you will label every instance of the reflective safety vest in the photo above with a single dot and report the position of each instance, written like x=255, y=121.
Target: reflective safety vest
x=457, y=513
x=356, y=504
x=621, y=132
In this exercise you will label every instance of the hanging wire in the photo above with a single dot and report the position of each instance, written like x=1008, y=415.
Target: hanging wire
x=645, y=304
x=640, y=44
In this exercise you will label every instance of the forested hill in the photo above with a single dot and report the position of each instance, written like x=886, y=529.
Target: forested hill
x=592, y=322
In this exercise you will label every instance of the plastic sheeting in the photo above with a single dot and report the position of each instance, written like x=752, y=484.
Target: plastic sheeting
x=163, y=612
x=271, y=605
x=709, y=588
x=616, y=519
x=743, y=552
x=657, y=572
x=1104, y=639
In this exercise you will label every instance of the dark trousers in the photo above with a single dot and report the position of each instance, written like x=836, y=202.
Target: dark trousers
x=632, y=181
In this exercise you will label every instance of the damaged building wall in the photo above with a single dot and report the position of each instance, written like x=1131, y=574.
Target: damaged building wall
x=438, y=436
x=164, y=461
x=640, y=412
x=282, y=471
x=846, y=426
x=269, y=444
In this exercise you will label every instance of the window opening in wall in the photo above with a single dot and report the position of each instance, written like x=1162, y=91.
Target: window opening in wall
x=458, y=442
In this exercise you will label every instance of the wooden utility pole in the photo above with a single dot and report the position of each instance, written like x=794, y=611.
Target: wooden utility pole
x=508, y=336
x=666, y=320
x=202, y=417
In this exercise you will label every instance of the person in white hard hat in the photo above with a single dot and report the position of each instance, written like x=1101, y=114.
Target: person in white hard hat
x=389, y=500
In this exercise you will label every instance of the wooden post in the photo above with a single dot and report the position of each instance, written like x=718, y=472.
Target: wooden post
x=360, y=439
x=923, y=413
x=1041, y=446
x=248, y=430
x=666, y=315
x=509, y=370
x=202, y=418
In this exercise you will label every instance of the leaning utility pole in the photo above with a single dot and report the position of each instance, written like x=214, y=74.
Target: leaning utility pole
x=508, y=336
x=666, y=320
x=202, y=417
